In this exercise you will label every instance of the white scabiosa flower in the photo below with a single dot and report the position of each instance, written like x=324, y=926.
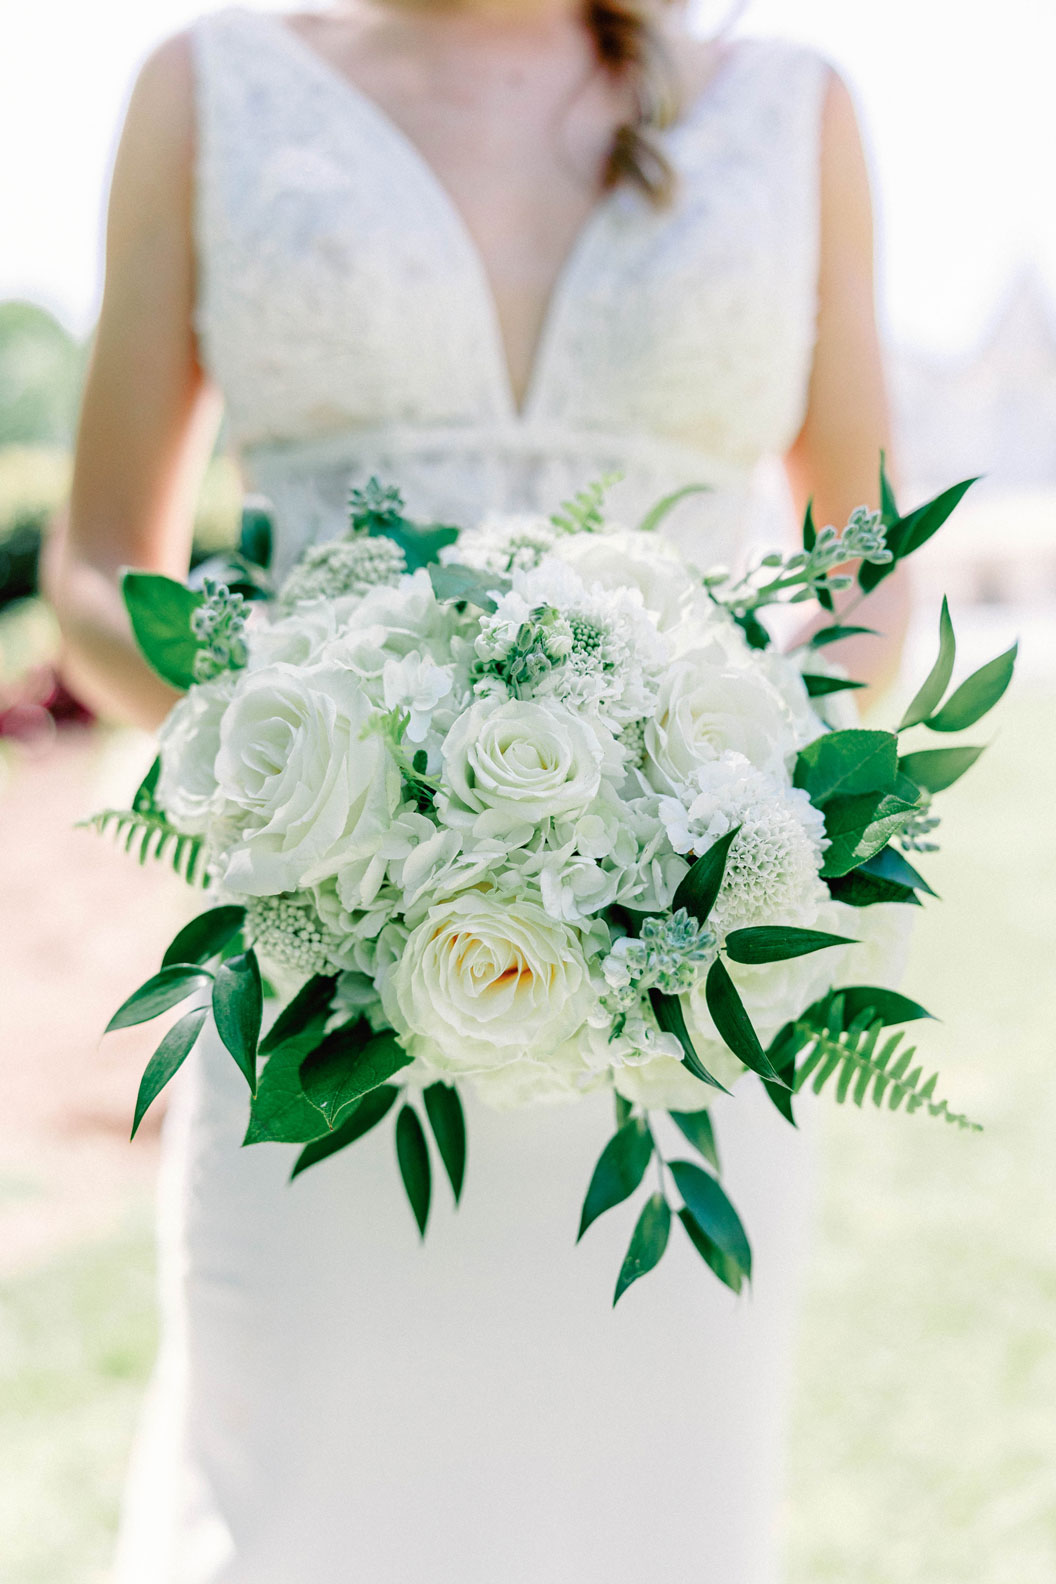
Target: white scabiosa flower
x=772, y=867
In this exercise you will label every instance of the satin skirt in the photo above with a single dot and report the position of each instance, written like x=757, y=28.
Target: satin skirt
x=336, y=1403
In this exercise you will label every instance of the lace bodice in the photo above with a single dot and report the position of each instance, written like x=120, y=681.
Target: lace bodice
x=346, y=315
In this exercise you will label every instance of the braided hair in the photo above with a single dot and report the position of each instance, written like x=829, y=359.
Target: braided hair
x=630, y=44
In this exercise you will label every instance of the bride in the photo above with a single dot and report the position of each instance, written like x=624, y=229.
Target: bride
x=487, y=250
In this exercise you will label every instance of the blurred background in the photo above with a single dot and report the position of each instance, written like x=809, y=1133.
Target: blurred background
x=925, y=1439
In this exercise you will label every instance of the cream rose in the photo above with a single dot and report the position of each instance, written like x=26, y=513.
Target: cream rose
x=188, y=743
x=704, y=710
x=518, y=763
x=299, y=778
x=622, y=558
x=484, y=981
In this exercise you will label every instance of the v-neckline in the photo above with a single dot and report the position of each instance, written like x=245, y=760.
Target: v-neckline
x=561, y=291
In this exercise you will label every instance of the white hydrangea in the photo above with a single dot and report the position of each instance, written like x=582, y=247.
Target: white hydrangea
x=772, y=868
x=503, y=544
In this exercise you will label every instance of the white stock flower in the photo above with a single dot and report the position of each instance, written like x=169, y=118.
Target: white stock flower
x=299, y=777
x=484, y=980
x=188, y=743
x=517, y=763
x=416, y=684
x=704, y=709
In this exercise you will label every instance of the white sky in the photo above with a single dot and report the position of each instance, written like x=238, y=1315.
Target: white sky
x=957, y=98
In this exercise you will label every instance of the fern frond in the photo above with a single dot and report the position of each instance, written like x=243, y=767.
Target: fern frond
x=862, y=1066
x=149, y=835
x=583, y=513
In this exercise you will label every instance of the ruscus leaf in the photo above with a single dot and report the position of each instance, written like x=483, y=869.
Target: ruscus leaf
x=819, y=686
x=205, y=936
x=648, y=1242
x=238, y=1008
x=778, y=942
x=726, y=1269
x=710, y=1207
x=976, y=696
x=309, y=1010
x=698, y=1128
x=621, y=1167
x=935, y=769
x=447, y=1120
x=412, y=1152
x=701, y=886
x=733, y=1023
x=938, y=678
x=160, y=992
x=667, y=1009
x=167, y=1060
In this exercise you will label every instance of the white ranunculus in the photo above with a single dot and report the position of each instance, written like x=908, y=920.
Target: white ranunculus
x=622, y=558
x=704, y=710
x=510, y=764
x=297, y=772
x=188, y=743
x=484, y=980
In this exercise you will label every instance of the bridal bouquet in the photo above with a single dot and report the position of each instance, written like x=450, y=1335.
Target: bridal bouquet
x=537, y=808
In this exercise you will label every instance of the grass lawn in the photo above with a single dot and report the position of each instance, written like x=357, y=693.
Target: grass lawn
x=925, y=1440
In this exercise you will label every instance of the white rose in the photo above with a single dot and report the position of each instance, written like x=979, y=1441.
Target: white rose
x=883, y=932
x=485, y=980
x=622, y=558
x=188, y=743
x=704, y=710
x=517, y=763
x=301, y=778
x=298, y=639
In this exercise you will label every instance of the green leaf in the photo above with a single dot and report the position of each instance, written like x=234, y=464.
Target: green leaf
x=205, y=936
x=306, y=1013
x=347, y=1064
x=256, y=534
x=782, y=1052
x=667, y=1009
x=467, y=585
x=447, y=1120
x=421, y=543
x=652, y=519
x=819, y=686
x=150, y=835
x=847, y=764
x=621, y=1167
x=756, y=635
x=910, y=532
x=777, y=942
x=281, y=1111
x=143, y=801
x=697, y=1127
x=861, y=889
x=866, y=1003
x=624, y=1109
x=976, y=696
x=710, y=1207
x=888, y=507
x=365, y=1114
x=858, y=827
x=412, y=1152
x=938, y=678
x=889, y=864
x=238, y=1008
x=810, y=529
x=160, y=992
x=836, y=634
x=700, y=887
x=862, y=1067
x=733, y=1023
x=167, y=1060
x=648, y=1242
x=935, y=769
x=726, y=1269
x=160, y=610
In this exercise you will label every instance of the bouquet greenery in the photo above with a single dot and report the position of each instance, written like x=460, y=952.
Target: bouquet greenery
x=538, y=808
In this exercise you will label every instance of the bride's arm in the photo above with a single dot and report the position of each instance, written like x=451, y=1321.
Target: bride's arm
x=148, y=417
x=836, y=456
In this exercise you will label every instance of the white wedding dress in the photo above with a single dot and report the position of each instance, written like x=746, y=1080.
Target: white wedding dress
x=333, y=1403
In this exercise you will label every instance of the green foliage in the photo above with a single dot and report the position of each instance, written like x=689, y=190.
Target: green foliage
x=862, y=1067
x=835, y=634
x=667, y=1009
x=713, y=1214
x=281, y=1111
x=726, y=1269
x=621, y=1167
x=160, y=610
x=648, y=1242
x=890, y=864
x=238, y=1009
x=652, y=519
x=697, y=1127
x=346, y=1065
x=584, y=513
x=256, y=533
x=733, y=1023
x=819, y=686
x=151, y=836
x=907, y=534
x=777, y=942
x=847, y=764
x=364, y=1115
x=167, y=1060
x=701, y=886
x=861, y=888
x=447, y=1120
x=976, y=696
x=467, y=585
x=205, y=936
x=158, y=994
x=412, y=1153
x=937, y=680
x=858, y=827
x=377, y=510
x=307, y=1013
x=935, y=769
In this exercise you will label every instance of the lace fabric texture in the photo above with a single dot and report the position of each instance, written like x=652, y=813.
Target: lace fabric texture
x=345, y=313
